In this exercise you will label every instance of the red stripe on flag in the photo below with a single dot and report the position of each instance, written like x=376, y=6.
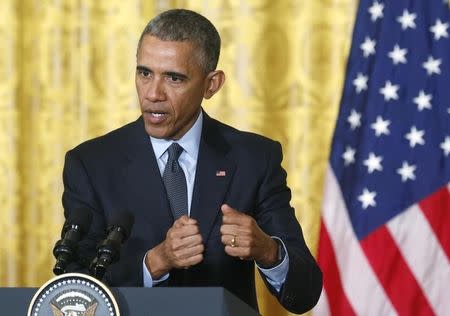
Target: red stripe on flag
x=436, y=209
x=337, y=300
x=394, y=274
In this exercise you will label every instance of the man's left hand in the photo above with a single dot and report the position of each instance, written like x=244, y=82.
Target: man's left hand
x=243, y=238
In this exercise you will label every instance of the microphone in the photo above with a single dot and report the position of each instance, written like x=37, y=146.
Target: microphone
x=108, y=251
x=65, y=250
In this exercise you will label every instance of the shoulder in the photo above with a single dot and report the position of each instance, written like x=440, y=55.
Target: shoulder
x=245, y=141
x=112, y=142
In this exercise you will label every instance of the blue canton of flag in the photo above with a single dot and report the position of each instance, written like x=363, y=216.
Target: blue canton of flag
x=391, y=146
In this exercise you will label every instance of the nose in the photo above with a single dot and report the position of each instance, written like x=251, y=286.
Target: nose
x=155, y=91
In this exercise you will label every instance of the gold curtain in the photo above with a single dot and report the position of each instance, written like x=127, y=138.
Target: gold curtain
x=67, y=74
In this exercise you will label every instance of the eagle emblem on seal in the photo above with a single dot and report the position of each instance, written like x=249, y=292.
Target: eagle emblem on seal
x=74, y=303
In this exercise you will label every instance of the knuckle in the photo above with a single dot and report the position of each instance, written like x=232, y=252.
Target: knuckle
x=174, y=245
x=176, y=259
x=195, y=231
x=183, y=230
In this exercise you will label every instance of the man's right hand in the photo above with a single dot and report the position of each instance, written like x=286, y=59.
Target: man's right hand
x=182, y=248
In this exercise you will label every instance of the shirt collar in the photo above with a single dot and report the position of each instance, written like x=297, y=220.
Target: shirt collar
x=190, y=141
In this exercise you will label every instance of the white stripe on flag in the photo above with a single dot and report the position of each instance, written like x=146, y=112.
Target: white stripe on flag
x=322, y=307
x=425, y=257
x=361, y=286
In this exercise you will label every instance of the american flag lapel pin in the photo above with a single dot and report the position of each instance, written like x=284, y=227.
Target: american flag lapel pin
x=221, y=173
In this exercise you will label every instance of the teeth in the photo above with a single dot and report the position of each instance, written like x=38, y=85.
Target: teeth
x=157, y=114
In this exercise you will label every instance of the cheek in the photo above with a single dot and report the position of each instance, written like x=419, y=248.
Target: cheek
x=178, y=101
x=185, y=103
x=140, y=93
x=141, y=88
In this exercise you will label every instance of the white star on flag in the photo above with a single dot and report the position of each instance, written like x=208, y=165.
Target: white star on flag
x=407, y=20
x=439, y=29
x=381, y=126
x=398, y=55
x=423, y=101
x=389, y=91
x=368, y=47
x=432, y=66
x=445, y=145
x=407, y=171
x=349, y=156
x=373, y=163
x=415, y=137
x=367, y=198
x=354, y=119
x=360, y=82
x=376, y=11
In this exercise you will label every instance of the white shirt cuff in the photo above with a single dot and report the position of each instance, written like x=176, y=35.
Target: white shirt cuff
x=148, y=280
x=277, y=275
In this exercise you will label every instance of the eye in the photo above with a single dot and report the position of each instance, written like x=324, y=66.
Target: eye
x=144, y=73
x=175, y=79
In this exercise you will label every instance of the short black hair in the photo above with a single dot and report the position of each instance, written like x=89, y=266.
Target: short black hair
x=185, y=25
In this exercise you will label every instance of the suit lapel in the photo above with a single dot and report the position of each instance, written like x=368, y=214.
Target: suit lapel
x=213, y=175
x=143, y=183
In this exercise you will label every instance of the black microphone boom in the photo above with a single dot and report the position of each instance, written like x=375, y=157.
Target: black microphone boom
x=65, y=250
x=108, y=251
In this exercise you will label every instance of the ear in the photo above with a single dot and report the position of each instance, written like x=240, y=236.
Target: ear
x=215, y=81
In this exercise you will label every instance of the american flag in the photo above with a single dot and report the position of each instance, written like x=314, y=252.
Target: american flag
x=385, y=228
x=221, y=173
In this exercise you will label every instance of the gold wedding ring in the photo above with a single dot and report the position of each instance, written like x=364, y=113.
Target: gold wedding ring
x=233, y=241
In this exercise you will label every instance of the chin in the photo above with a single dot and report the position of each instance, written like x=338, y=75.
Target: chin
x=153, y=132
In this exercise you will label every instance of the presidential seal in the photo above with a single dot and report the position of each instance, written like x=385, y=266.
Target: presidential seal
x=73, y=294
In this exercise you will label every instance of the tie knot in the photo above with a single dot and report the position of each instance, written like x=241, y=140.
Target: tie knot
x=175, y=151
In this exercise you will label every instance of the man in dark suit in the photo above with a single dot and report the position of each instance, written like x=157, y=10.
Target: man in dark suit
x=209, y=201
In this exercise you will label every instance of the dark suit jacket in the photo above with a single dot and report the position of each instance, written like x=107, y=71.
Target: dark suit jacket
x=118, y=171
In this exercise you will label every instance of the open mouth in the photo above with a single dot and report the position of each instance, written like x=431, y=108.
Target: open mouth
x=156, y=117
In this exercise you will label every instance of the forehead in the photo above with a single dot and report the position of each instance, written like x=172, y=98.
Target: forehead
x=155, y=52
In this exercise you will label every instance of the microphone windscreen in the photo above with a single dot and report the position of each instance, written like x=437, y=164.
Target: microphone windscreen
x=82, y=217
x=124, y=220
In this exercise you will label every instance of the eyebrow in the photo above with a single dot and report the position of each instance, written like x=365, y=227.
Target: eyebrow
x=167, y=73
x=142, y=68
